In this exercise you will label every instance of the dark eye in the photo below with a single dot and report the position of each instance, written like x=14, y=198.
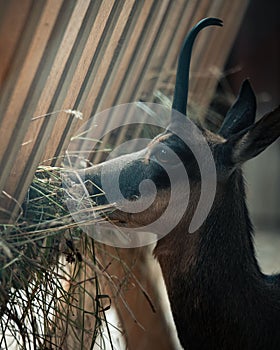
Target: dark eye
x=165, y=155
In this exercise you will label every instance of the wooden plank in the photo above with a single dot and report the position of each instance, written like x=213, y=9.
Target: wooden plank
x=38, y=136
x=140, y=59
x=12, y=23
x=93, y=59
x=119, y=61
x=232, y=15
x=125, y=57
x=17, y=117
x=193, y=12
x=141, y=55
x=123, y=61
x=170, y=39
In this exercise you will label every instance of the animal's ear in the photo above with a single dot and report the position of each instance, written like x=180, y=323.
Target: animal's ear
x=250, y=142
x=242, y=113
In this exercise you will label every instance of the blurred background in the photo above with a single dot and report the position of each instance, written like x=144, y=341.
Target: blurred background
x=256, y=54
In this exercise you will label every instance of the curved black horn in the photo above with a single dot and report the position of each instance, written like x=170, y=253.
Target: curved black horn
x=182, y=77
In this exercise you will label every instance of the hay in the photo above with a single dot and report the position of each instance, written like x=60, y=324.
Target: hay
x=43, y=273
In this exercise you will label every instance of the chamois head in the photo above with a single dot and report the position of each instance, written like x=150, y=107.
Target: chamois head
x=168, y=157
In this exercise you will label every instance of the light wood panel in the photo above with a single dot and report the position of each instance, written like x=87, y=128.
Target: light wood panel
x=91, y=55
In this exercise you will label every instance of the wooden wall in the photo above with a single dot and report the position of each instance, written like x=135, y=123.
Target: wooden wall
x=87, y=56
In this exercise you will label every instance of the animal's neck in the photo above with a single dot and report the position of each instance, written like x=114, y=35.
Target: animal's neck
x=225, y=236
x=208, y=269
x=225, y=240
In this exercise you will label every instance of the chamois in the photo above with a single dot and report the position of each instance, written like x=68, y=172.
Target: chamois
x=219, y=297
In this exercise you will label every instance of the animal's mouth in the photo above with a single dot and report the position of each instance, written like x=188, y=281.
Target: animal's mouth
x=120, y=219
x=94, y=208
x=112, y=216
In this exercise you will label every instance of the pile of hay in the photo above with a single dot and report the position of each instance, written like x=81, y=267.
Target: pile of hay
x=42, y=270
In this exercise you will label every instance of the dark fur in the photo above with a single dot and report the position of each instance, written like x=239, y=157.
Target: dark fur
x=219, y=298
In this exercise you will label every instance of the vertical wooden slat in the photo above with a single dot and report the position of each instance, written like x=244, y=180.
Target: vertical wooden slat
x=121, y=59
x=129, y=45
x=12, y=21
x=17, y=117
x=141, y=55
x=193, y=12
x=77, y=83
x=97, y=45
x=37, y=137
x=173, y=32
x=212, y=71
